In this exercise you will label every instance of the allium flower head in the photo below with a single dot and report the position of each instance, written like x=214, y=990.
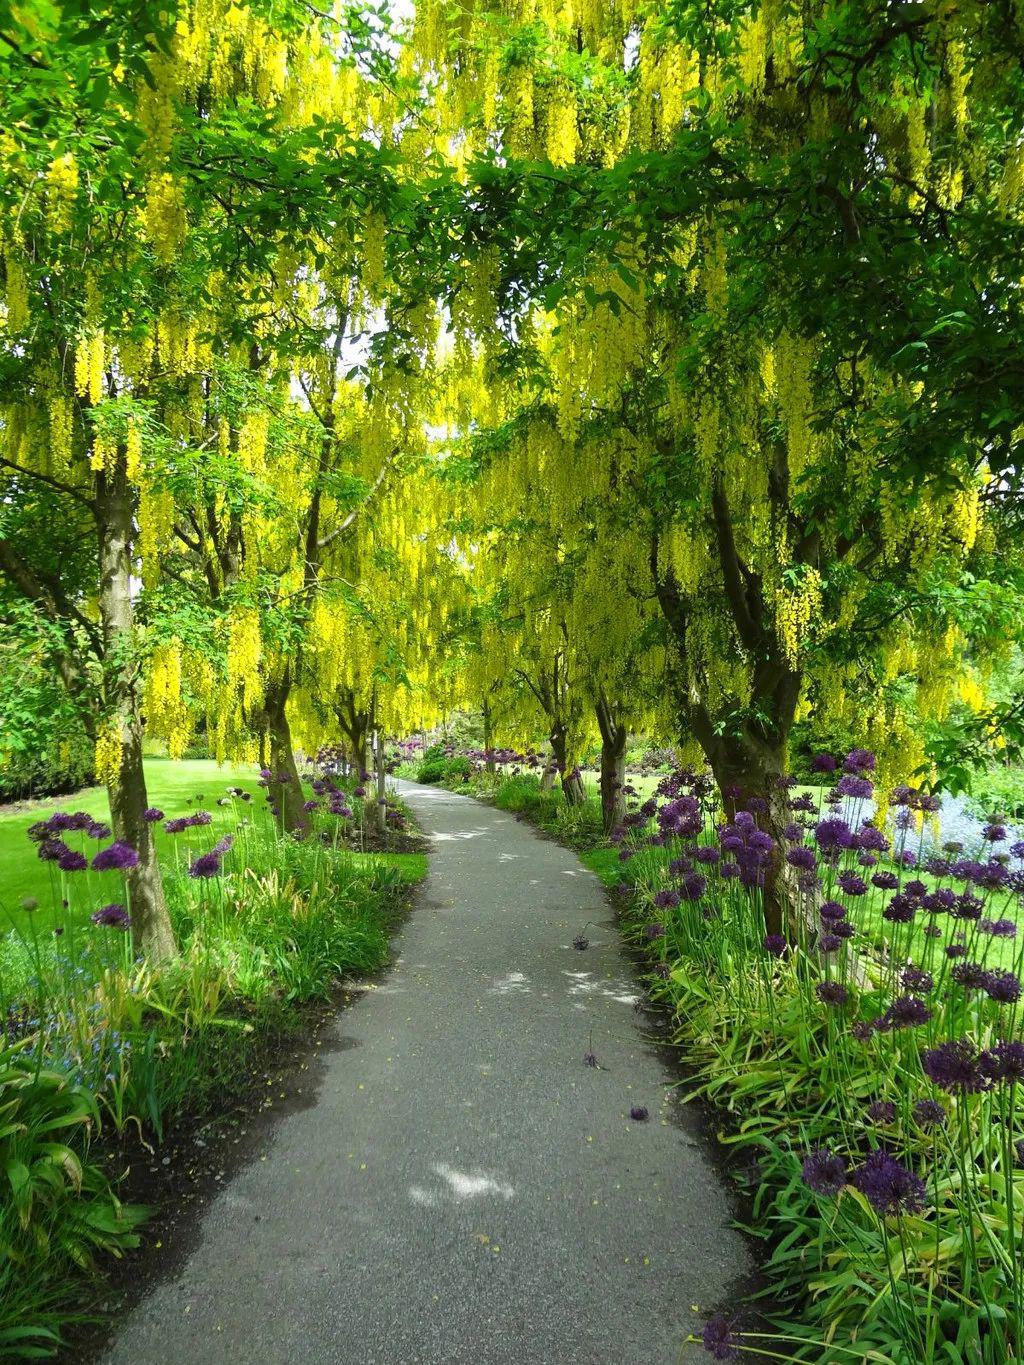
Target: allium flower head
x=774, y=944
x=882, y=1111
x=112, y=916
x=955, y=1066
x=824, y=1172
x=831, y=992
x=152, y=815
x=929, y=1113
x=1001, y=986
x=206, y=865
x=117, y=856
x=719, y=1339
x=824, y=763
x=888, y=1186
x=859, y=761
x=833, y=834
x=72, y=861
x=857, y=787
x=639, y=1113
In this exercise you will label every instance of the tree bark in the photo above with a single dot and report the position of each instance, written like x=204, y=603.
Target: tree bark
x=380, y=815
x=355, y=726
x=572, y=783
x=613, y=765
x=152, y=933
x=284, y=786
x=488, y=738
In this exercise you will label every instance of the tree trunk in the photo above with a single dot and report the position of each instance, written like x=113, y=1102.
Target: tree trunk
x=152, y=934
x=488, y=738
x=284, y=786
x=613, y=766
x=572, y=783
x=355, y=726
x=752, y=768
x=380, y=816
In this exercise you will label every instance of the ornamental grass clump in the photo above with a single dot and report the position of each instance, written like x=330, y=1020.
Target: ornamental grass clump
x=872, y=1052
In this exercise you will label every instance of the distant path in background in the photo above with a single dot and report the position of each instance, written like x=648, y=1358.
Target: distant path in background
x=465, y=1187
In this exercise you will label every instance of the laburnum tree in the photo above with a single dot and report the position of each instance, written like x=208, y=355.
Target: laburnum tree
x=167, y=185
x=760, y=260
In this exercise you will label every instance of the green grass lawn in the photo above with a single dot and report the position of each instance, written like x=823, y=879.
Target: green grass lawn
x=177, y=787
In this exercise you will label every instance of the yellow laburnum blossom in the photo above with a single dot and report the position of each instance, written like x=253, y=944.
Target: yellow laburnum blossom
x=166, y=223
x=108, y=751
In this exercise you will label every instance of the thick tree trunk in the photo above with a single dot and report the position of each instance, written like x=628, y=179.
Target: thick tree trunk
x=572, y=783
x=613, y=766
x=284, y=785
x=752, y=766
x=152, y=934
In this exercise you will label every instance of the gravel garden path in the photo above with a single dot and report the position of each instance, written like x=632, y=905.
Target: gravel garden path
x=466, y=1187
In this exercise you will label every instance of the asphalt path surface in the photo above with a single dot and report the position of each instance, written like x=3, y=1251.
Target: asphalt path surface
x=465, y=1186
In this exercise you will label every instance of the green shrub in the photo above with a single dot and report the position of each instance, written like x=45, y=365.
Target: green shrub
x=441, y=769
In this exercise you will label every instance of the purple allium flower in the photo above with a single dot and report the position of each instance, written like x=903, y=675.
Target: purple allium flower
x=906, y=1011
x=52, y=850
x=802, y=803
x=310, y=805
x=998, y=928
x=1001, y=986
x=1006, y=1062
x=859, y=761
x=967, y=907
x=802, y=857
x=581, y=943
x=932, y=931
x=955, y=1066
x=206, y=865
x=729, y=870
x=72, y=861
x=929, y=1113
x=152, y=815
x=916, y=888
x=970, y=975
x=870, y=837
x=824, y=1172
x=862, y=1031
x=833, y=834
x=117, y=855
x=359, y=791
x=653, y=931
x=831, y=911
x=955, y=950
x=590, y=1057
x=842, y=928
x=707, y=853
x=824, y=763
x=858, y=787
x=831, y=992
x=829, y=943
x=719, y=1339
x=994, y=833
x=882, y=1111
x=774, y=944
x=851, y=883
x=867, y=860
x=639, y=1113
x=888, y=1186
x=692, y=886
x=98, y=830
x=112, y=916
x=916, y=979
x=793, y=831
x=900, y=910
x=666, y=899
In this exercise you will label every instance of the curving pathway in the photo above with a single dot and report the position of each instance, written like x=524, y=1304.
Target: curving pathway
x=465, y=1188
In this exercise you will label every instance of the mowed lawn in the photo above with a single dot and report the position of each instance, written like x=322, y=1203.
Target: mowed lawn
x=175, y=787
x=178, y=787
